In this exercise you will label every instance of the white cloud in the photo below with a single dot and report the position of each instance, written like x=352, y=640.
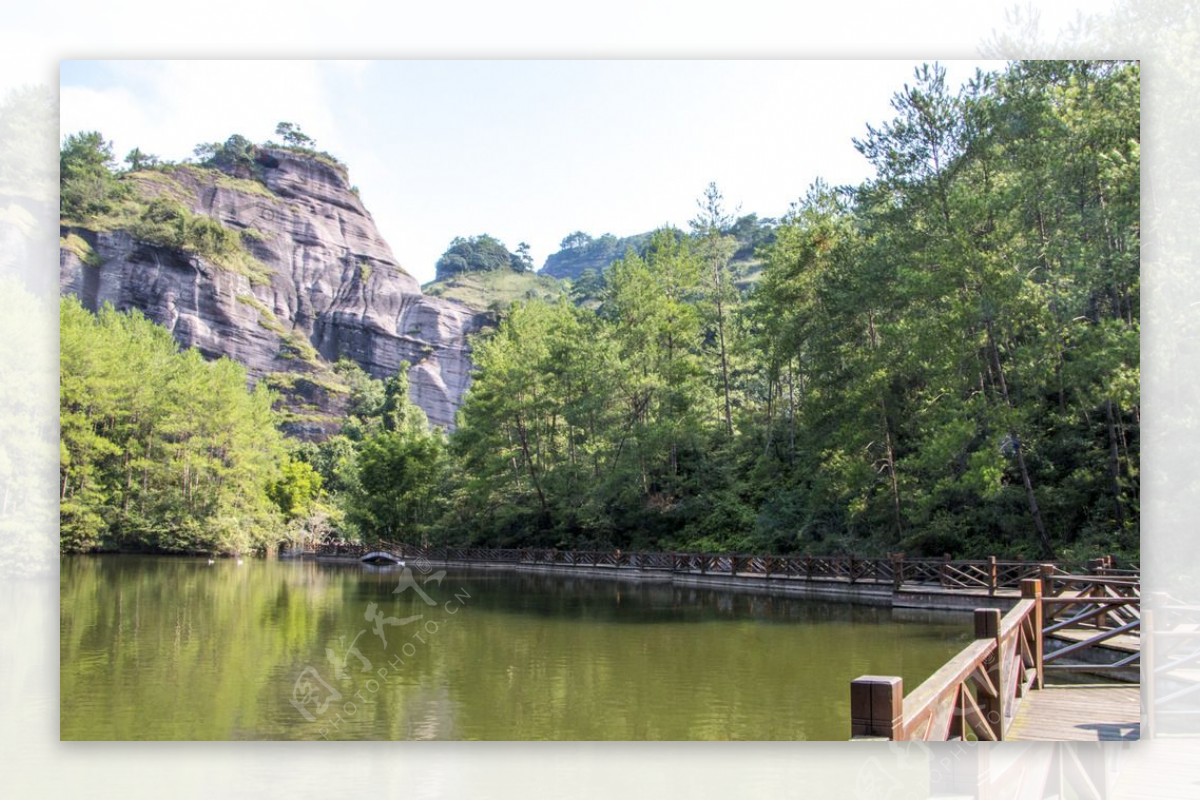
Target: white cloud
x=181, y=103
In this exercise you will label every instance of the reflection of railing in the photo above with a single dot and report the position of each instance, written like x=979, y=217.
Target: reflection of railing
x=974, y=695
x=1098, y=617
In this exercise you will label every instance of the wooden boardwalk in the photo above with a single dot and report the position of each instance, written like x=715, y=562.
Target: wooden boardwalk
x=995, y=688
x=1080, y=712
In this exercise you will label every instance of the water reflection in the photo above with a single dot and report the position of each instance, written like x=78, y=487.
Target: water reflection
x=162, y=648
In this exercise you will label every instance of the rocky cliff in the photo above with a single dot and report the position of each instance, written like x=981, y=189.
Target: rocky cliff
x=318, y=284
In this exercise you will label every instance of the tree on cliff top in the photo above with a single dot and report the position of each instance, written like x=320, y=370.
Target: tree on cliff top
x=482, y=253
x=292, y=135
x=88, y=183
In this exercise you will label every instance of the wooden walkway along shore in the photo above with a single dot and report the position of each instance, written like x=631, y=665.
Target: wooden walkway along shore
x=992, y=576
x=1080, y=712
x=995, y=688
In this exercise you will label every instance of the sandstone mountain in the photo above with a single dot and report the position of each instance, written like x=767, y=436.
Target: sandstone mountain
x=317, y=284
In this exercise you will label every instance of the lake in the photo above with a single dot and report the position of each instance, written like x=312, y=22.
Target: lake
x=173, y=648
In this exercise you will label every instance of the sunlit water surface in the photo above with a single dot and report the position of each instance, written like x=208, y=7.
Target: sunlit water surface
x=166, y=648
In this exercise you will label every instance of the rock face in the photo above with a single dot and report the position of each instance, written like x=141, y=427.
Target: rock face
x=334, y=288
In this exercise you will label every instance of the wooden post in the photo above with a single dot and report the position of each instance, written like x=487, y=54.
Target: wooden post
x=987, y=627
x=897, y=570
x=877, y=707
x=993, y=575
x=733, y=560
x=1032, y=588
x=1047, y=573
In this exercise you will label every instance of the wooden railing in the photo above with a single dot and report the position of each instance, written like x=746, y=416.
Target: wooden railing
x=973, y=696
x=1099, y=618
x=986, y=575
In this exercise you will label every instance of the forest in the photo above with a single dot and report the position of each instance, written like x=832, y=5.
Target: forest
x=942, y=359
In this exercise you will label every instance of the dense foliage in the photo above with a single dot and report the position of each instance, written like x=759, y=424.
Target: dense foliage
x=943, y=359
x=161, y=449
x=387, y=470
x=481, y=253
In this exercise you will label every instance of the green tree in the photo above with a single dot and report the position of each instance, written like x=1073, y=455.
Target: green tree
x=235, y=155
x=535, y=442
x=159, y=449
x=296, y=489
x=716, y=248
x=481, y=253
x=524, y=257
x=293, y=136
x=137, y=159
x=88, y=183
x=396, y=493
x=578, y=239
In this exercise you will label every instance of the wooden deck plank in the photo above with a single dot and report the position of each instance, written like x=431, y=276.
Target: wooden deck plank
x=1080, y=712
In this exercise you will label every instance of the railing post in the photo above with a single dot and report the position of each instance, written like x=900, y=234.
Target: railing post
x=993, y=575
x=897, y=570
x=1032, y=589
x=877, y=707
x=987, y=627
x=1047, y=578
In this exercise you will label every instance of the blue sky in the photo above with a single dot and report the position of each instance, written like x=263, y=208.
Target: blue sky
x=523, y=150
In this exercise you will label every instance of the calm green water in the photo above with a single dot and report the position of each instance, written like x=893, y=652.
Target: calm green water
x=175, y=648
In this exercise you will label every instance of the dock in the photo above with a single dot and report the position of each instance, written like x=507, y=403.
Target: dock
x=1075, y=712
x=996, y=688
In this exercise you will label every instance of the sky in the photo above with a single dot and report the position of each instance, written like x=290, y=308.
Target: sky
x=523, y=150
